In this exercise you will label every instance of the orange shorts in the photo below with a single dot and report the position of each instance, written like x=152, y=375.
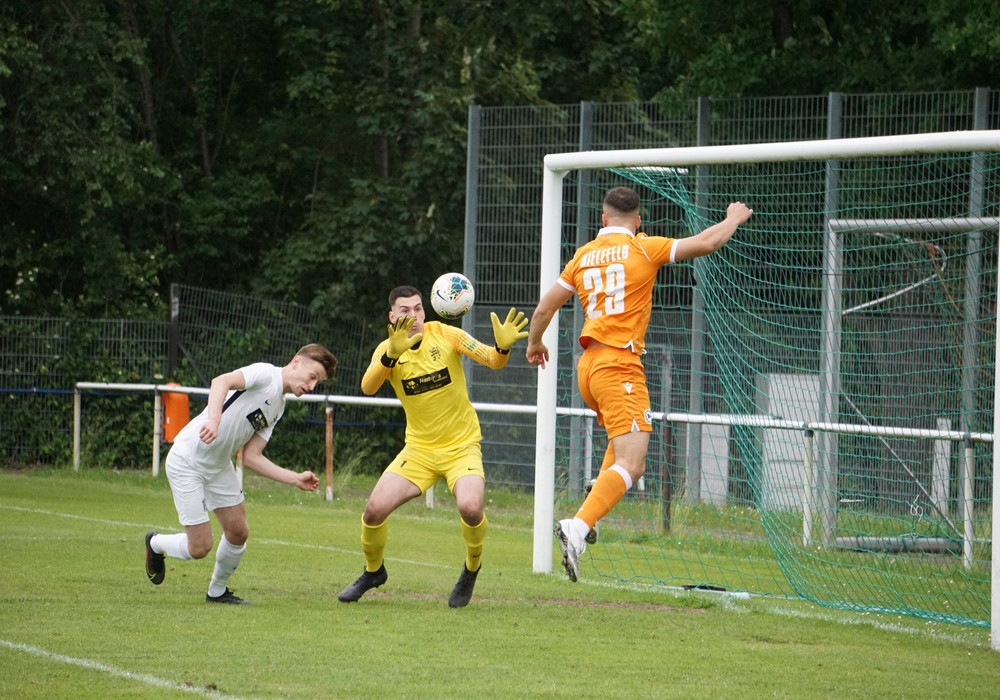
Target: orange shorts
x=613, y=383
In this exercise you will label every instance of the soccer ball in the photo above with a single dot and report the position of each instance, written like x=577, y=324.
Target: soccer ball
x=452, y=295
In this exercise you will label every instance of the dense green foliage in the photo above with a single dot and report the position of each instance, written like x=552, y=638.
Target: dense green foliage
x=296, y=148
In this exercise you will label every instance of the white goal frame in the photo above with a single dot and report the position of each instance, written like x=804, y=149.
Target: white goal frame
x=558, y=165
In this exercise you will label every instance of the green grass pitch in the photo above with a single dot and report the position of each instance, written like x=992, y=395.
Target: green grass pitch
x=79, y=619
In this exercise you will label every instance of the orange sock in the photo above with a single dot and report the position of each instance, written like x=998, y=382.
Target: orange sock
x=609, y=488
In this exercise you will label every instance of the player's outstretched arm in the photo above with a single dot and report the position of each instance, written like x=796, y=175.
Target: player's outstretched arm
x=715, y=236
x=254, y=459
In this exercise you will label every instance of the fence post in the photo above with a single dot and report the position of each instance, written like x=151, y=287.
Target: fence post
x=157, y=430
x=76, y=429
x=329, y=451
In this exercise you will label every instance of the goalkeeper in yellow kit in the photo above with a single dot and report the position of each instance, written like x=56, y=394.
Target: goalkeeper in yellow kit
x=423, y=363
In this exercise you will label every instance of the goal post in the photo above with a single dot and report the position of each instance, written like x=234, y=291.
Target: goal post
x=545, y=430
x=892, y=229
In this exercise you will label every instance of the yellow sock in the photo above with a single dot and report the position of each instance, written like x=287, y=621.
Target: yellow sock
x=373, y=539
x=474, y=538
x=606, y=492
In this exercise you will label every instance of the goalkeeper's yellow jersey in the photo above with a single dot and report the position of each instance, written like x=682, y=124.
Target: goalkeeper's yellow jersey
x=430, y=383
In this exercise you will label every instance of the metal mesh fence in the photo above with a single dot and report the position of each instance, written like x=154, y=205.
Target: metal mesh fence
x=510, y=144
x=40, y=359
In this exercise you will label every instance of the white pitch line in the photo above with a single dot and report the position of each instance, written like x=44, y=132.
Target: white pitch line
x=38, y=511
x=966, y=636
x=261, y=541
x=728, y=601
x=935, y=634
x=104, y=668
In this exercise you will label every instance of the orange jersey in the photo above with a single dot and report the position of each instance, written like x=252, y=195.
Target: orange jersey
x=614, y=275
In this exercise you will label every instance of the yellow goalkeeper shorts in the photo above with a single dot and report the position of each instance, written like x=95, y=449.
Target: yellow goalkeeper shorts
x=426, y=467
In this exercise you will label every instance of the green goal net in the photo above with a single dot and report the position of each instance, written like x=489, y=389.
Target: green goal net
x=824, y=384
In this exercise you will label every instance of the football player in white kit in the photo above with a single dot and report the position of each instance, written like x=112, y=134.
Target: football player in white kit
x=243, y=407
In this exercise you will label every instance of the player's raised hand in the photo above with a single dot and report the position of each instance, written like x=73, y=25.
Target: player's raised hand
x=400, y=339
x=738, y=211
x=511, y=330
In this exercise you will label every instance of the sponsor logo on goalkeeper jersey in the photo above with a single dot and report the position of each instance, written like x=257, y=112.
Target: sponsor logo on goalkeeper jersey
x=426, y=382
x=603, y=256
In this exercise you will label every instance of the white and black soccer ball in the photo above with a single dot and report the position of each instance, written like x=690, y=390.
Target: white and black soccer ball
x=452, y=295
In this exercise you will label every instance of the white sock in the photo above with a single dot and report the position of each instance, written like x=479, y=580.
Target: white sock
x=175, y=546
x=227, y=558
x=620, y=471
x=581, y=527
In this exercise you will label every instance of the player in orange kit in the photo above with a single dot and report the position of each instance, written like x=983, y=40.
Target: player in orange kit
x=613, y=275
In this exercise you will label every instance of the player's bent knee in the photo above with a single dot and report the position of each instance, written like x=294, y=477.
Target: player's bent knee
x=237, y=536
x=369, y=518
x=471, y=515
x=199, y=550
x=373, y=517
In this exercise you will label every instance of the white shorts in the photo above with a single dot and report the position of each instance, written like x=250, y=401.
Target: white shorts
x=196, y=493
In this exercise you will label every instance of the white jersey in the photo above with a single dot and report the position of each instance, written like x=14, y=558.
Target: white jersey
x=254, y=409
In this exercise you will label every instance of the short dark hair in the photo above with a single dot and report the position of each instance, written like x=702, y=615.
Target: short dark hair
x=315, y=351
x=622, y=199
x=403, y=291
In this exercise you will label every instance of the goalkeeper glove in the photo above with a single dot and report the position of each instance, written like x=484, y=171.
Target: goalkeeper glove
x=399, y=339
x=510, y=331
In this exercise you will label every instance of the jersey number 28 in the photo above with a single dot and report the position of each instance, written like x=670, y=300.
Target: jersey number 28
x=610, y=283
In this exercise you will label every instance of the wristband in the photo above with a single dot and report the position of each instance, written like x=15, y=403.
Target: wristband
x=389, y=361
x=502, y=352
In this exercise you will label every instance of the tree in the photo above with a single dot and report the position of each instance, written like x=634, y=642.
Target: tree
x=314, y=150
x=72, y=175
x=801, y=47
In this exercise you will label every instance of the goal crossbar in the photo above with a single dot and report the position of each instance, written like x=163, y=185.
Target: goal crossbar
x=951, y=224
x=825, y=149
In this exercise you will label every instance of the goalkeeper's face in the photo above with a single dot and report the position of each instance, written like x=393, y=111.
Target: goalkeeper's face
x=409, y=306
